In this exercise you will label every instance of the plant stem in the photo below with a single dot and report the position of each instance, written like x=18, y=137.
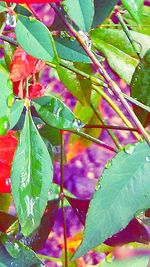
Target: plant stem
x=62, y=199
x=8, y=39
x=97, y=81
x=113, y=127
x=136, y=102
x=94, y=140
x=44, y=257
x=104, y=126
x=115, y=108
x=127, y=32
x=113, y=86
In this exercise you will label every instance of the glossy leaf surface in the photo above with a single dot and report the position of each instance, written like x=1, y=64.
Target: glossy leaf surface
x=31, y=177
x=14, y=253
x=69, y=49
x=15, y=113
x=102, y=10
x=39, y=237
x=34, y=38
x=140, y=87
x=55, y=113
x=127, y=175
x=116, y=47
x=134, y=7
x=5, y=91
x=81, y=12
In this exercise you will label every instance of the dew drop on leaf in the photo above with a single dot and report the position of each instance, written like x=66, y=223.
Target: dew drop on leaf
x=9, y=84
x=129, y=149
x=148, y=158
x=108, y=164
x=32, y=19
x=10, y=100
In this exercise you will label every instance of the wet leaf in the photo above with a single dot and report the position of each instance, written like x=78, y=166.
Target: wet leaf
x=76, y=85
x=31, y=177
x=15, y=113
x=5, y=91
x=8, y=54
x=140, y=86
x=14, y=253
x=55, y=113
x=34, y=32
x=134, y=7
x=69, y=49
x=81, y=12
x=126, y=179
x=39, y=237
x=102, y=10
x=116, y=47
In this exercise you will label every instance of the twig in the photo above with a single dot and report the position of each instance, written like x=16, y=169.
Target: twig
x=113, y=86
x=62, y=199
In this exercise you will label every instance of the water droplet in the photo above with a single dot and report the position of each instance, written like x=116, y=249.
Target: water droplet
x=148, y=158
x=72, y=38
x=108, y=164
x=9, y=84
x=147, y=194
x=32, y=19
x=78, y=124
x=129, y=149
x=10, y=20
x=10, y=100
x=3, y=125
x=8, y=181
x=65, y=8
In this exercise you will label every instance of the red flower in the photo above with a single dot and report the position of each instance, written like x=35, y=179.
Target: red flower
x=8, y=144
x=23, y=66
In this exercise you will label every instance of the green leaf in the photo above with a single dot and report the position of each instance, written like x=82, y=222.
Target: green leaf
x=31, y=177
x=8, y=53
x=86, y=114
x=140, y=87
x=5, y=91
x=125, y=179
x=102, y=10
x=133, y=262
x=34, y=38
x=55, y=113
x=134, y=7
x=5, y=201
x=2, y=7
x=145, y=21
x=69, y=49
x=76, y=85
x=51, y=134
x=81, y=12
x=116, y=47
x=15, y=113
x=14, y=253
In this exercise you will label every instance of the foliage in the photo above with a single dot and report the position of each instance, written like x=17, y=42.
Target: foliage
x=98, y=38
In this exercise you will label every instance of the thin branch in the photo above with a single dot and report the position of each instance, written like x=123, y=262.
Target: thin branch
x=127, y=32
x=113, y=86
x=94, y=140
x=62, y=199
x=104, y=126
